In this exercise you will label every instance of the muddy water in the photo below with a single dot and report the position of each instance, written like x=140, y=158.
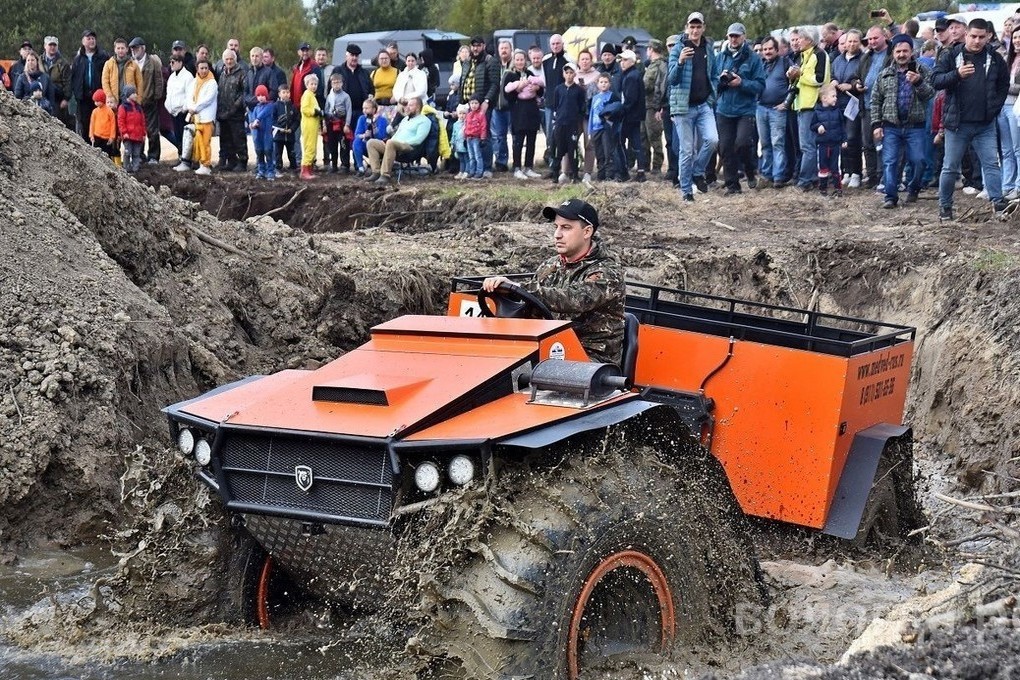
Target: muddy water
x=311, y=653
x=224, y=661
x=817, y=611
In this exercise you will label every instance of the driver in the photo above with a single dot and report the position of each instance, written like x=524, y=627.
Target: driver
x=583, y=282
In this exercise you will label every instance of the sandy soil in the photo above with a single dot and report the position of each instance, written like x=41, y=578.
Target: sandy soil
x=123, y=294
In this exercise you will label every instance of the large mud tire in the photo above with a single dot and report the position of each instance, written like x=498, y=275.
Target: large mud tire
x=891, y=512
x=609, y=551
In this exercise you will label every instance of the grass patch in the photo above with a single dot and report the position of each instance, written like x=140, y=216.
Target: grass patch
x=538, y=193
x=992, y=260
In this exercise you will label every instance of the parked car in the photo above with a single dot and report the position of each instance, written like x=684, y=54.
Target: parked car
x=523, y=38
x=444, y=46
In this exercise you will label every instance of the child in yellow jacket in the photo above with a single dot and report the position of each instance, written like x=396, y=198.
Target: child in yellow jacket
x=103, y=127
x=311, y=117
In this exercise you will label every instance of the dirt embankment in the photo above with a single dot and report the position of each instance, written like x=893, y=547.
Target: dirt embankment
x=120, y=298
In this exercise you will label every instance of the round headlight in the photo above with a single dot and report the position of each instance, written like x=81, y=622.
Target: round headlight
x=462, y=470
x=186, y=441
x=203, y=452
x=426, y=477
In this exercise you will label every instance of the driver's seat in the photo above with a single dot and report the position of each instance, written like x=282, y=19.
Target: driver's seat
x=628, y=362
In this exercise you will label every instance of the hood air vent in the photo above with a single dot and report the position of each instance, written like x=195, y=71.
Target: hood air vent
x=367, y=390
x=349, y=395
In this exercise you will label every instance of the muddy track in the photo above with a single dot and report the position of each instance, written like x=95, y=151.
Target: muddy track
x=122, y=296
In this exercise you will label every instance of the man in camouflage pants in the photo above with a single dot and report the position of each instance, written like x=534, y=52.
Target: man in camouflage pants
x=583, y=282
x=655, y=99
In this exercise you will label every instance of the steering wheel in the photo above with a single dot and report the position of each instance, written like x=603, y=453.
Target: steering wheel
x=512, y=301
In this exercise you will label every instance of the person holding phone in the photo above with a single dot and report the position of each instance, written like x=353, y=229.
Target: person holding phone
x=691, y=91
x=976, y=82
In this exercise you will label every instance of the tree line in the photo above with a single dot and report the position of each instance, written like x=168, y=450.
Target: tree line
x=282, y=24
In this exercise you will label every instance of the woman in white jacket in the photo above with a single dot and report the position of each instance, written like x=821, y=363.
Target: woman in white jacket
x=179, y=87
x=411, y=82
x=202, y=107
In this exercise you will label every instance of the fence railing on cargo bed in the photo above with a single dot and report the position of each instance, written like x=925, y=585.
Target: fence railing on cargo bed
x=747, y=320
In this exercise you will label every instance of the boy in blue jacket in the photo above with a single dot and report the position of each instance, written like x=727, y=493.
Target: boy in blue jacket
x=827, y=123
x=602, y=130
x=260, y=123
x=371, y=125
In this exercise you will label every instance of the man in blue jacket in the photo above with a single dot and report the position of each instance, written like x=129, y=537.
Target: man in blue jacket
x=740, y=79
x=691, y=97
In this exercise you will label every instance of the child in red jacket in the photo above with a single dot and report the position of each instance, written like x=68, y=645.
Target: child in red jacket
x=475, y=130
x=131, y=125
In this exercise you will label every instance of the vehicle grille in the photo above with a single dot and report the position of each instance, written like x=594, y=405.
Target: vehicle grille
x=350, y=480
x=341, y=563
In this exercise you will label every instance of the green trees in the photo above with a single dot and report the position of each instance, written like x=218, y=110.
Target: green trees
x=157, y=21
x=334, y=18
x=280, y=24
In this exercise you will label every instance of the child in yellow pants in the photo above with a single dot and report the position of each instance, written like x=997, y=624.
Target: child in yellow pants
x=311, y=115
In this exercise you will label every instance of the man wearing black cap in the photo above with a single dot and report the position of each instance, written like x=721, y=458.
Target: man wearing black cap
x=941, y=33
x=86, y=79
x=481, y=78
x=180, y=49
x=630, y=43
x=302, y=68
x=583, y=282
x=357, y=83
x=956, y=30
x=18, y=67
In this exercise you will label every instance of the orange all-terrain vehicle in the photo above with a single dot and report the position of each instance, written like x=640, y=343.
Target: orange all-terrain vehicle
x=576, y=510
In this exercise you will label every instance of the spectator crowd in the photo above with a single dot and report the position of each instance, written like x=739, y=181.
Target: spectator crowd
x=888, y=108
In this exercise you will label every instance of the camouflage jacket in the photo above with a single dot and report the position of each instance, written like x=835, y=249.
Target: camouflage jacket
x=589, y=292
x=655, y=84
